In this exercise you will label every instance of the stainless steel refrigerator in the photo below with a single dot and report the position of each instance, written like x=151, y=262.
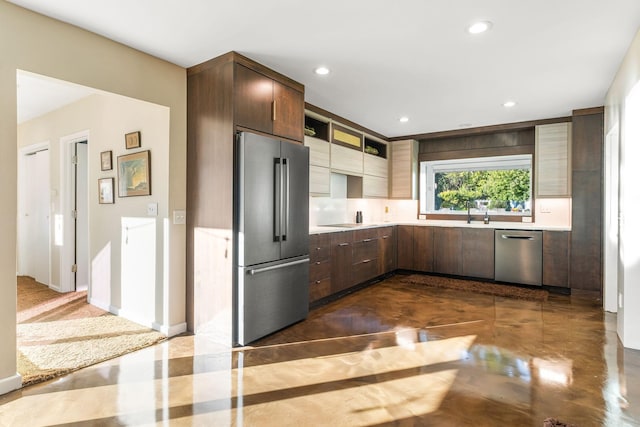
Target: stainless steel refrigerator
x=271, y=232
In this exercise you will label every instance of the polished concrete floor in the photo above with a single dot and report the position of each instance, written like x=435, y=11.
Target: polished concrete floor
x=391, y=354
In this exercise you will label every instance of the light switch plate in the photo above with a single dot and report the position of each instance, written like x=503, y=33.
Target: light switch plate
x=180, y=217
x=152, y=209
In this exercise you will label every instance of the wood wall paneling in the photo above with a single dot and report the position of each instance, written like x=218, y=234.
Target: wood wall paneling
x=210, y=134
x=585, y=270
x=498, y=144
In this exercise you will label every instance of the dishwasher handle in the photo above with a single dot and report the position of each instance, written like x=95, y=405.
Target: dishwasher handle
x=507, y=236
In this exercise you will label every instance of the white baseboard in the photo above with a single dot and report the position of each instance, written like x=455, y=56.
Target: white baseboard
x=10, y=383
x=170, y=331
x=101, y=305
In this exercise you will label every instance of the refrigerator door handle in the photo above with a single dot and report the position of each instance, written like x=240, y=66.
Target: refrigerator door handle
x=255, y=271
x=285, y=198
x=277, y=195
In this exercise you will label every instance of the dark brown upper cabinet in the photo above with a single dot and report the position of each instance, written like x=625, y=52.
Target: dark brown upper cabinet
x=266, y=105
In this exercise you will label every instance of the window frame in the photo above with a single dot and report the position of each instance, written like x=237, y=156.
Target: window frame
x=429, y=168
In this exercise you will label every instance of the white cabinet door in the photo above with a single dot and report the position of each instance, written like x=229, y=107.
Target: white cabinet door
x=374, y=186
x=374, y=165
x=552, y=164
x=319, y=151
x=319, y=181
x=346, y=160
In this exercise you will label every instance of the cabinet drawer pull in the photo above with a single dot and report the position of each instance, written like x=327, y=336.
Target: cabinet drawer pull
x=318, y=249
x=317, y=282
x=317, y=262
x=343, y=244
x=366, y=261
x=385, y=237
x=274, y=110
x=367, y=240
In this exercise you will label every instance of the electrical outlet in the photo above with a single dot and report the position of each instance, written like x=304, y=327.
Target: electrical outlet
x=152, y=209
x=180, y=217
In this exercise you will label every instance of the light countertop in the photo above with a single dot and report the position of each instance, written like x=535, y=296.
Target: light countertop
x=318, y=229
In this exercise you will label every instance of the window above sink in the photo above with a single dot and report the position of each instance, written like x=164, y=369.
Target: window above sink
x=500, y=185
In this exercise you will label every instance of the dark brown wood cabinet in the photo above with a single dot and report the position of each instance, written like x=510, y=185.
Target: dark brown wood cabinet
x=364, y=255
x=478, y=253
x=319, y=266
x=555, y=258
x=387, y=244
x=585, y=267
x=225, y=94
x=405, y=247
x=447, y=248
x=266, y=105
x=423, y=249
x=288, y=114
x=341, y=260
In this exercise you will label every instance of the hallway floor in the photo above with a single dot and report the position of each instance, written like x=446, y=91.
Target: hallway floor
x=390, y=354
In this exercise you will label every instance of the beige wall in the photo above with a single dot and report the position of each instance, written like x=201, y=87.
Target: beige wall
x=34, y=43
x=627, y=77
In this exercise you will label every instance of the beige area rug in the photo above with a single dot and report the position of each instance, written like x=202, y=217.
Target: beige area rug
x=60, y=333
x=502, y=290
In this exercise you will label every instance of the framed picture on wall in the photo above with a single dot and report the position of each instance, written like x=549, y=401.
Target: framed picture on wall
x=106, y=161
x=105, y=191
x=134, y=174
x=132, y=140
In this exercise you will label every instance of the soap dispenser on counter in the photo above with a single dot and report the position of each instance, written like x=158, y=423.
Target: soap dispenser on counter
x=359, y=217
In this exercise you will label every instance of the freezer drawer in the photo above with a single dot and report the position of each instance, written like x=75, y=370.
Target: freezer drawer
x=271, y=296
x=518, y=256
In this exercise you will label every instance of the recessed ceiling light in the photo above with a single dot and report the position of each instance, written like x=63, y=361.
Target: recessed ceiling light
x=479, y=27
x=404, y=119
x=322, y=71
x=509, y=104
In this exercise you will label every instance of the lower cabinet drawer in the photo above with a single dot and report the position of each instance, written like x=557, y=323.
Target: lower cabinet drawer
x=319, y=289
x=364, y=271
x=319, y=270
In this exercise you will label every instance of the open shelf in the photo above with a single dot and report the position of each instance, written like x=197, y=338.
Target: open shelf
x=320, y=128
x=376, y=148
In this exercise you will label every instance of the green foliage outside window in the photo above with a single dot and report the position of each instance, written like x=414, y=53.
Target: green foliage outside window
x=498, y=187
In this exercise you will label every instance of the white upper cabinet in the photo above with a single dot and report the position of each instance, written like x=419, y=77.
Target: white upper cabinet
x=553, y=160
x=346, y=160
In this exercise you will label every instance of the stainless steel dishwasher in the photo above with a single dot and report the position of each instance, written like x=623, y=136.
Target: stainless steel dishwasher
x=518, y=257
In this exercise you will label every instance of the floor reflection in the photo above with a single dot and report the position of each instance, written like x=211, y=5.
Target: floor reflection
x=391, y=354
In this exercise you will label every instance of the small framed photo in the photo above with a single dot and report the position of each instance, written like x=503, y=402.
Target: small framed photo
x=106, y=161
x=105, y=190
x=132, y=140
x=134, y=174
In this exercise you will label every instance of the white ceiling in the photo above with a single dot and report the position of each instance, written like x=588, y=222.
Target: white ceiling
x=391, y=59
x=38, y=95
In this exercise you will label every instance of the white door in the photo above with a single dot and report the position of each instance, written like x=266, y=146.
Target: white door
x=33, y=239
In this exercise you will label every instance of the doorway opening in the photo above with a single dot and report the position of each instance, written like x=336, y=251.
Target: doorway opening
x=34, y=222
